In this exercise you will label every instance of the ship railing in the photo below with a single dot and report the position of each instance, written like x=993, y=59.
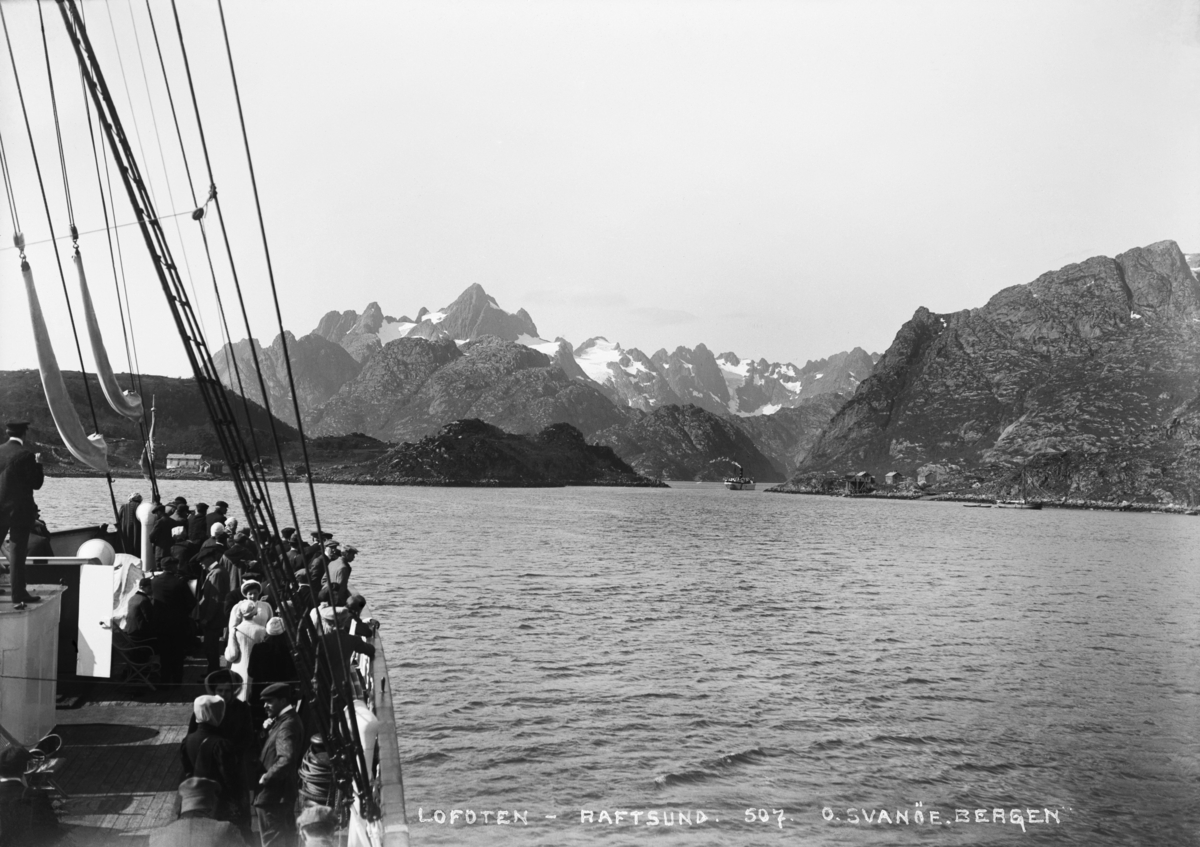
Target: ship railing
x=391, y=830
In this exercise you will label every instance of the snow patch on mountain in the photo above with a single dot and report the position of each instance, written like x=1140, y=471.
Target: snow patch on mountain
x=596, y=356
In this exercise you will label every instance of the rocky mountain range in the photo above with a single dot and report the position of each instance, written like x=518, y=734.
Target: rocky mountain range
x=400, y=379
x=1089, y=376
x=628, y=377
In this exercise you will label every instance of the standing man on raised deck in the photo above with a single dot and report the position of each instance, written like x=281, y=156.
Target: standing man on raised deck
x=20, y=476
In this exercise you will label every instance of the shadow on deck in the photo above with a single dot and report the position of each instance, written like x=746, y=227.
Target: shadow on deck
x=121, y=758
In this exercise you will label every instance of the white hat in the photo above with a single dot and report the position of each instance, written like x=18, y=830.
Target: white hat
x=218, y=528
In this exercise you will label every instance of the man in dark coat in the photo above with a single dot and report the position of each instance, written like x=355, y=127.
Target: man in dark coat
x=212, y=589
x=318, y=565
x=279, y=786
x=162, y=535
x=182, y=548
x=20, y=476
x=129, y=527
x=198, y=524
x=339, y=569
x=139, y=614
x=217, y=515
x=173, y=604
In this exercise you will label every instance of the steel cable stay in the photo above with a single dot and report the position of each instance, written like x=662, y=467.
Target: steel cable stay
x=331, y=699
x=215, y=200
x=162, y=158
x=198, y=215
x=360, y=769
x=286, y=357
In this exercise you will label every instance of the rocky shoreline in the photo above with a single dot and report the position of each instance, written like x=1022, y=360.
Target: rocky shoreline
x=953, y=497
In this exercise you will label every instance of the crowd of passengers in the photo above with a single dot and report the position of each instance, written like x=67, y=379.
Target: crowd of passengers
x=208, y=593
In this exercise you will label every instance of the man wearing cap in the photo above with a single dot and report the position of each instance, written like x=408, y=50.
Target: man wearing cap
x=217, y=515
x=165, y=531
x=278, y=787
x=198, y=524
x=339, y=568
x=183, y=549
x=318, y=565
x=196, y=827
x=129, y=527
x=20, y=476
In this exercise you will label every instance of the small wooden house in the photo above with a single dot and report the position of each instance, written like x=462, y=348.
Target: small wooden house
x=927, y=477
x=859, y=483
x=893, y=477
x=194, y=462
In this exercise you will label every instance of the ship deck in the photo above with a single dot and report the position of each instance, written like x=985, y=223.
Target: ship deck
x=121, y=766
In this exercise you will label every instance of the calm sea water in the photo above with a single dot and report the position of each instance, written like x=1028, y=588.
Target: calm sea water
x=563, y=651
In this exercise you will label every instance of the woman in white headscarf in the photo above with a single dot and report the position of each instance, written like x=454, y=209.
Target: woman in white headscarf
x=247, y=627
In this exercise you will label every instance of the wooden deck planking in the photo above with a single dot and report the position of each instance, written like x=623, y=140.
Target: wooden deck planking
x=122, y=766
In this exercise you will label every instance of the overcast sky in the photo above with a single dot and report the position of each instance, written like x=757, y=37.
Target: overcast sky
x=784, y=180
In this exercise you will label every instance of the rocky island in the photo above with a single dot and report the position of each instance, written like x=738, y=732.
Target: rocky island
x=471, y=452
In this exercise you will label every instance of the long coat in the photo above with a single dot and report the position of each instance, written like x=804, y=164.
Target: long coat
x=20, y=476
x=197, y=527
x=280, y=760
x=173, y=604
x=130, y=527
x=207, y=754
x=139, y=618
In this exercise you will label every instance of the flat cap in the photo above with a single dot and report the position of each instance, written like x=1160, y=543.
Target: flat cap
x=278, y=689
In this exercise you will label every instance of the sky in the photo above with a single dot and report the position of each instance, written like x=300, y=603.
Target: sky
x=783, y=180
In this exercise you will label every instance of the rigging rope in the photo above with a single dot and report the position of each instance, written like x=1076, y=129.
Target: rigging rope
x=198, y=216
x=97, y=351
x=46, y=203
x=359, y=767
x=311, y=650
x=187, y=266
x=18, y=243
